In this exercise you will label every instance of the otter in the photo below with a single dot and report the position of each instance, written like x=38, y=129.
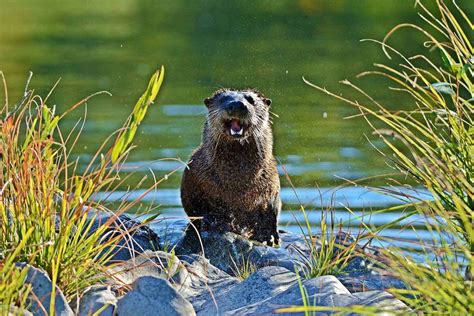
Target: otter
x=232, y=181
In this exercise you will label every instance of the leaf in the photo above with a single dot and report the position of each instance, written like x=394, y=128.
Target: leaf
x=125, y=138
x=462, y=71
x=445, y=60
x=150, y=219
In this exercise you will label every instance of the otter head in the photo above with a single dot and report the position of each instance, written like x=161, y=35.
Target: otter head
x=237, y=114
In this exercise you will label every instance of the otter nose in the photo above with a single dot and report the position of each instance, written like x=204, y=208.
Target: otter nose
x=236, y=108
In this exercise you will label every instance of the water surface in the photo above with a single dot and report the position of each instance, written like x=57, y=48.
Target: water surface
x=205, y=45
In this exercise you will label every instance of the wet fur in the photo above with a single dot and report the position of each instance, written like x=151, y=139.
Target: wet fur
x=233, y=184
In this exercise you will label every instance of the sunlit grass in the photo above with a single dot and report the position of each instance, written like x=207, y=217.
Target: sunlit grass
x=242, y=268
x=432, y=144
x=46, y=206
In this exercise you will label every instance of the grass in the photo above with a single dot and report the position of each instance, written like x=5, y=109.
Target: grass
x=432, y=144
x=328, y=255
x=243, y=268
x=13, y=292
x=46, y=205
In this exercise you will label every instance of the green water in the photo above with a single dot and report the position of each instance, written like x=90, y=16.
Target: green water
x=204, y=45
x=269, y=45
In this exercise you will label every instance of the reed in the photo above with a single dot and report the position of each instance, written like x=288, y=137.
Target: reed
x=432, y=145
x=47, y=205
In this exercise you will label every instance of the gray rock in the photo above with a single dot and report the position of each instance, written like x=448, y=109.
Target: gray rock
x=325, y=291
x=39, y=298
x=384, y=301
x=262, y=256
x=364, y=272
x=370, y=281
x=228, y=250
x=171, y=231
x=96, y=298
x=150, y=263
x=136, y=237
x=263, y=284
x=153, y=296
x=204, y=281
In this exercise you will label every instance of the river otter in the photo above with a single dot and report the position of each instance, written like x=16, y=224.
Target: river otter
x=232, y=180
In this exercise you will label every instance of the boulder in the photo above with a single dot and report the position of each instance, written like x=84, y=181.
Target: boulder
x=325, y=291
x=150, y=263
x=228, y=250
x=203, y=281
x=136, y=237
x=153, y=296
x=370, y=281
x=39, y=298
x=97, y=298
x=261, y=285
x=171, y=231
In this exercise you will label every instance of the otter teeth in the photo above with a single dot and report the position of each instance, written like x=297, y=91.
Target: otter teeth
x=239, y=132
x=236, y=128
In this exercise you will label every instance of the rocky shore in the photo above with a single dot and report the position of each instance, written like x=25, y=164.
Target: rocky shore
x=165, y=272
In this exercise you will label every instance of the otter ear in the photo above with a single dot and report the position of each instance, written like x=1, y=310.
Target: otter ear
x=207, y=101
x=267, y=101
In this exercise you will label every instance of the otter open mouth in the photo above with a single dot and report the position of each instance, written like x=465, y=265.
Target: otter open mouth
x=235, y=128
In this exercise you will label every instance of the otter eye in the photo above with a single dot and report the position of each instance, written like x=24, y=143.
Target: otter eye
x=249, y=99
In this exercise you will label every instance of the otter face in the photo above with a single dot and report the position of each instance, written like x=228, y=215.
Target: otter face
x=237, y=114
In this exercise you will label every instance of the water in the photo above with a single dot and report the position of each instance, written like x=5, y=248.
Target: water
x=204, y=45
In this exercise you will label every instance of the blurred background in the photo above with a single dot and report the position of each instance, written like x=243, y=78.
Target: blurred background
x=204, y=45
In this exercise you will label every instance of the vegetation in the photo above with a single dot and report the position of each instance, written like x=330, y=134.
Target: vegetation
x=432, y=144
x=47, y=205
x=243, y=268
x=330, y=250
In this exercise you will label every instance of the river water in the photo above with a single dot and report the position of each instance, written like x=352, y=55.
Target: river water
x=205, y=45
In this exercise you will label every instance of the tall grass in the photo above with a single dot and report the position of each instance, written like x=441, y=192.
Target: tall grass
x=46, y=204
x=433, y=144
x=330, y=250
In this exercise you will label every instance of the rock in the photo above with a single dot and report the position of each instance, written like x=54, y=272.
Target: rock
x=203, y=281
x=153, y=296
x=363, y=272
x=136, y=237
x=262, y=256
x=39, y=298
x=261, y=285
x=370, y=281
x=150, y=263
x=322, y=291
x=171, y=231
x=96, y=298
x=227, y=250
x=384, y=301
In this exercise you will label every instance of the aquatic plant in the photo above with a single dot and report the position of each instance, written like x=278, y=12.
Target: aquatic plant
x=432, y=144
x=47, y=205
